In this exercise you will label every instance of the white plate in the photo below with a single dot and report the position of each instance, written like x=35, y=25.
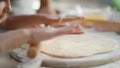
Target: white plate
x=91, y=61
x=50, y=61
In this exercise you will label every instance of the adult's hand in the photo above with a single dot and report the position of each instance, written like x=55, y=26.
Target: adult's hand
x=14, y=39
x=27, y=21
x=46, y=33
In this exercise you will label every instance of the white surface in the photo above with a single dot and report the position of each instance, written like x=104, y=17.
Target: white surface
x=85, y=62
x=107, y=58
x=104, y=58
x=110, y=35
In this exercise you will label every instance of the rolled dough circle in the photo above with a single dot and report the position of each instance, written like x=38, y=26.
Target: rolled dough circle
x=78, y=45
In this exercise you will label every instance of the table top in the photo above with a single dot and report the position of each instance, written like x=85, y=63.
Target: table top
x=110, y=35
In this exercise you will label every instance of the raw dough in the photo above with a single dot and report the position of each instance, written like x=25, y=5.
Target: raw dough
x=73, y=46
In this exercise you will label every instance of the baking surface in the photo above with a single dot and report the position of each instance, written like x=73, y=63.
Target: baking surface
x=110, y=35
x=107, y=34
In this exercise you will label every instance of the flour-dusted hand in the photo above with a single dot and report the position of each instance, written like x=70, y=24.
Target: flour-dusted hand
x=46, y=33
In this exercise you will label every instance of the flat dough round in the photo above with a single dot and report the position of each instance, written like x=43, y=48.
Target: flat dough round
x=73, y=46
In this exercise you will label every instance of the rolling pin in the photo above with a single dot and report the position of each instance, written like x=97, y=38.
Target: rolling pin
x=34, y=50
x=107, y=25
x=102, y=25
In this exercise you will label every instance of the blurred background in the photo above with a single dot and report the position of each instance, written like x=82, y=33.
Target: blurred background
x=103, y=8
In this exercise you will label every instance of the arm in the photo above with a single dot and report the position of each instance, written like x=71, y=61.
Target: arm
x=47, y=7
x=14, y=39
x=25, y=21
x=107, y=26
